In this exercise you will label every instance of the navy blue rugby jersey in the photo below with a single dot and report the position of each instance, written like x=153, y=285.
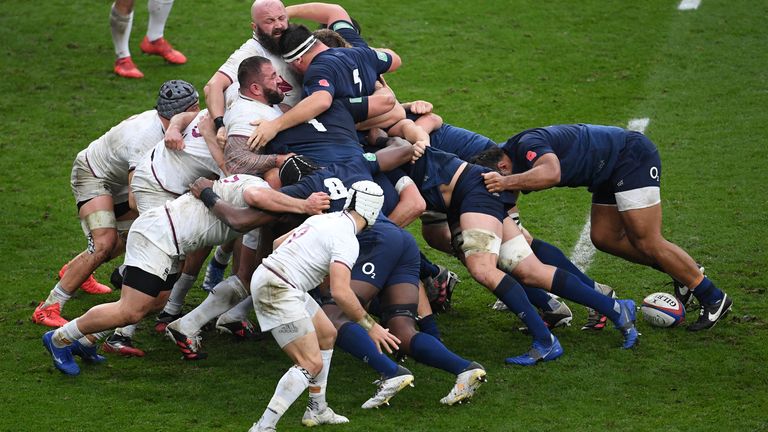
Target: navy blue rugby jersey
x=329, y=138
x=587, y=153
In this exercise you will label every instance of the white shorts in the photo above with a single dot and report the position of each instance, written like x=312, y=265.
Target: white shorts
x=142, y=253
x=85, y=185
x=276, y=302
x=252, y=239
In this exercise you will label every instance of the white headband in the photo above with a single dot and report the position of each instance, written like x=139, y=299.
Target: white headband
x=300, y=50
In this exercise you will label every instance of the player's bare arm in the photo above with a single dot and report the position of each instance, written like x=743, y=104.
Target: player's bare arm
x=397, y=152
x=410, y=206
x=309, y=108
x=240, y=219
x=340, y=277
x=323, y=13
x=240, y=159
x=544, y=174
x=207, y=129
x=173, y=138
x=278, y=202
x=214, y=100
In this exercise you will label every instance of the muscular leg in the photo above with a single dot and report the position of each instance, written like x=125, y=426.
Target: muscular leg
x=643, y=228
x=608, y=233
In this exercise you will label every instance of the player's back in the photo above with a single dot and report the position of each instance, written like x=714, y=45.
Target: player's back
x=174, y=170
x=112, y=155
x=306, y=256
x=194, y=226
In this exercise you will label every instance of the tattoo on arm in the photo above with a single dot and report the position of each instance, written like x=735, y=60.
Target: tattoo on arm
x=239, y=159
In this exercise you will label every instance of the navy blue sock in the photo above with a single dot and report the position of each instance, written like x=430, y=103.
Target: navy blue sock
x=430, y=351
x=427, y=268
x=550, y=254
x=570, y=287
x=428, y=325
x=538, y=297
x=354, y=339
x=707, y=293
x=513, y=296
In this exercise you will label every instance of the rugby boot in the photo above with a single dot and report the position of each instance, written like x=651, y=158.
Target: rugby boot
x=467, y=383
x=162, y=48
x=388, y=387
x=62, y=357
x=122, y=345
x=539, y=352
x=327, y=416
x=710, y=314
x=127, y=69
x=91, y=285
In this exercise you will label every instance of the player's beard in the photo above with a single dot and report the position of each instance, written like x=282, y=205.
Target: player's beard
x=273, y=97
x=270, y=42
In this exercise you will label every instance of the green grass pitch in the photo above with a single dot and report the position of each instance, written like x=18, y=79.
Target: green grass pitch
x=496, y=67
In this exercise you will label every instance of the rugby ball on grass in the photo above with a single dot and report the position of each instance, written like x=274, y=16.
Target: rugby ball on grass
x=662, y=310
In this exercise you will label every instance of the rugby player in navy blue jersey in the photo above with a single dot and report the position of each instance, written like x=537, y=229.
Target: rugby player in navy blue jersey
x=329, y=73
x=489, y=238
x=375, y=273
x=466, y=145
x=622, y=169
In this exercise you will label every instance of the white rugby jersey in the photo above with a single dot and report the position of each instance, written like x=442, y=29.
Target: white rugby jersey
x=112, y=155
x=251, y=48
x=304, y=258
x=174, y=170
x=243, y=111
x=185, y=224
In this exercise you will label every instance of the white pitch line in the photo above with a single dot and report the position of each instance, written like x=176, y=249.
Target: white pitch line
x=584, y=251
x=689, y=5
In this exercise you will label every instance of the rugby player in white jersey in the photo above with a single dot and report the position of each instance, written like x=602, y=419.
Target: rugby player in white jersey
x=268, y=20
x=163, y=174
x=100, y=177
x=324, y=245
x=156, y=241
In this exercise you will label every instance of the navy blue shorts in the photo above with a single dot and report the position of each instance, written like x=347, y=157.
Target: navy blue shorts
x=388, y=256
x=638, y=167
x=471, y=196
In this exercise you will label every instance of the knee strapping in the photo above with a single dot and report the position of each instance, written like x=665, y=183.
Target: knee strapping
x=512, y=252
x=477, y=240
x=97, y=220
x=406, y=310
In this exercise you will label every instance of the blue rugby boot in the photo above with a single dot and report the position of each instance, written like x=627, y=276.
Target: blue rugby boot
x=539, y=352
x=89, y=354
x=62, y=357
x=626, y=323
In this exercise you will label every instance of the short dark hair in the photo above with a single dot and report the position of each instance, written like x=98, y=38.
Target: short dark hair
x=292, y=37
x=488, y=158
x=249, y=71
x=331, y=39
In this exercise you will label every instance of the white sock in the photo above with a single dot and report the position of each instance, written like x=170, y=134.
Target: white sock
x=318, y=385
x=97, y=337
x=221, y=256
x=553, y=303
x=223, y=296
x=127, y=331
x=179, y=293
x=121, y=31
x=158, y=15
x=289, y=388
x=239, y=312
x=57, y=295
x=66, y=334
